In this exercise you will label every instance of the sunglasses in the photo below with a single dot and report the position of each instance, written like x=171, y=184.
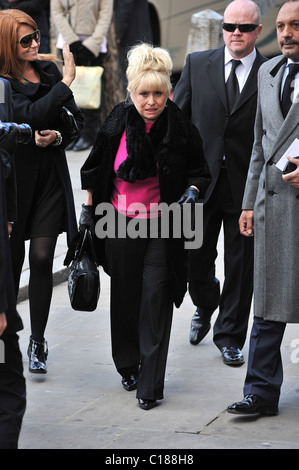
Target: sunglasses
x=243, y=28
x=26, y=41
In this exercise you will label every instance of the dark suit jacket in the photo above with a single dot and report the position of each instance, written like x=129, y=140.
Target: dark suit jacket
x=201, y=94
x=7, y=213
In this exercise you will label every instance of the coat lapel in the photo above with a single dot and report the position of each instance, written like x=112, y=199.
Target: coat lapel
x=285, y=127
x=216, y=74
x=250, y=87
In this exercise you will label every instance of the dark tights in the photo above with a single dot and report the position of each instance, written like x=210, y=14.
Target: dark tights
x=41, y=254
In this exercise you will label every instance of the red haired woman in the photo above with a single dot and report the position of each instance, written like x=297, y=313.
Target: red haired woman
x=45, y=198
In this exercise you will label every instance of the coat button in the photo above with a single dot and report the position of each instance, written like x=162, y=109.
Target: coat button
x=297, y=196
x=271, y=193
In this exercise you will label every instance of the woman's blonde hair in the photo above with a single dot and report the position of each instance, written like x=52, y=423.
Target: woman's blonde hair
x=151, y=65
x=10, y=20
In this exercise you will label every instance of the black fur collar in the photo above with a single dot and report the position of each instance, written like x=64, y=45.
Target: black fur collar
x=141, y=162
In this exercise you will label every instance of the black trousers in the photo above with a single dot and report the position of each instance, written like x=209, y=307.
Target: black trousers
x=141, y=310
x=264, y=370
x=234, y=301
x=12, y=393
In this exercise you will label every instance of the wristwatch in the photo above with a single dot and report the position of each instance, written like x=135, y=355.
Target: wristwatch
x=58, y=139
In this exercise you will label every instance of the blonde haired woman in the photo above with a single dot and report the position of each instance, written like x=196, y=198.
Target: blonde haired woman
x=146, y=153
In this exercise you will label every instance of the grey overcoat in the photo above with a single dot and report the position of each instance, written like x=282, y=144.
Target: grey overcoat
x=275, y=203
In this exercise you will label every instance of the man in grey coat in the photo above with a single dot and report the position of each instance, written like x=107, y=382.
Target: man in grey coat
x=271, y=203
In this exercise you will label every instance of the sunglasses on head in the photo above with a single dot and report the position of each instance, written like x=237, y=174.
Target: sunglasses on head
x=26, y=41
x=243, y=28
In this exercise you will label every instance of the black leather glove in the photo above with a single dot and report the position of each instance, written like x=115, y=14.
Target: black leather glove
x=82, y=55
x=8, y=137
x=87, y=53
x=86, y=218
x=190, y=195
x=75, y=46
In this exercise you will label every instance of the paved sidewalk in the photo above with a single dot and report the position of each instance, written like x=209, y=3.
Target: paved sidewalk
x=80, y=403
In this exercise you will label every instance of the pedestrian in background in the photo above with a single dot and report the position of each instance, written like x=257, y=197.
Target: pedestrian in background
x=84, y=26
x=225, y=123
x=132, y=22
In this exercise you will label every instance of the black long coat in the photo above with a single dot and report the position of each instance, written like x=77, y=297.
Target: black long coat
x=180, y=161
x=39, y=104
x=7, y=213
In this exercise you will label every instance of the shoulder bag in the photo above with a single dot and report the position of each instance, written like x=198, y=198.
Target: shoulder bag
x=86, y=87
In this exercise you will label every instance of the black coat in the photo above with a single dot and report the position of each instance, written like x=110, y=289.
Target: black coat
x=7, y=213
x=132, y=20
x=39, y=104
x=201, y=95
x=181, y=163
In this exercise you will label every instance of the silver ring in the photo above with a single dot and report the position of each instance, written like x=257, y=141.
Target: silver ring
x=40, y=144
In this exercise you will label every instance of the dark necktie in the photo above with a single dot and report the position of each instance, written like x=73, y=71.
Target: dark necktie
x=232, y=85
x=286, y=99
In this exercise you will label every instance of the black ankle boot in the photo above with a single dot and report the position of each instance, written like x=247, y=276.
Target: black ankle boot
x=37, y=353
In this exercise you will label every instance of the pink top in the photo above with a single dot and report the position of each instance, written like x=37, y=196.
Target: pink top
x=134, y=199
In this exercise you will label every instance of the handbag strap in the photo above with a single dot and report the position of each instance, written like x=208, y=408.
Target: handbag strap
x=87, y=238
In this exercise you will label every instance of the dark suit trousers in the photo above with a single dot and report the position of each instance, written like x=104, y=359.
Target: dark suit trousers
x=12, y=393
x=234, y=301
x=264, y=370
x=141, y=311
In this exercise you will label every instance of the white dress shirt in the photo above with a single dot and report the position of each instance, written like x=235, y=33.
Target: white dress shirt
x=243, y=70
x=285, y=74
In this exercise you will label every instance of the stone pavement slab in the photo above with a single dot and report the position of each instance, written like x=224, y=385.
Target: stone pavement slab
x=80, y=403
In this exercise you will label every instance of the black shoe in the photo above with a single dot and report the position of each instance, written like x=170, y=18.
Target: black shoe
x=37, y=353
x=232, y=356
x=146, y=404
x=253, y=404
x=82, y=144
x=129, y=383
x=200, y=326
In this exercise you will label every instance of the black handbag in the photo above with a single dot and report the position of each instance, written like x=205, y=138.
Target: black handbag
x=84, y=278
x=69, y=124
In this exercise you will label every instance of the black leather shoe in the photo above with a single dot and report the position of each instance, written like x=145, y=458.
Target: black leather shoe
x=253, y=404
x=82, y=144
x=146, y=404
x=232, y=356
x=200, y=326
x=129, y=383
